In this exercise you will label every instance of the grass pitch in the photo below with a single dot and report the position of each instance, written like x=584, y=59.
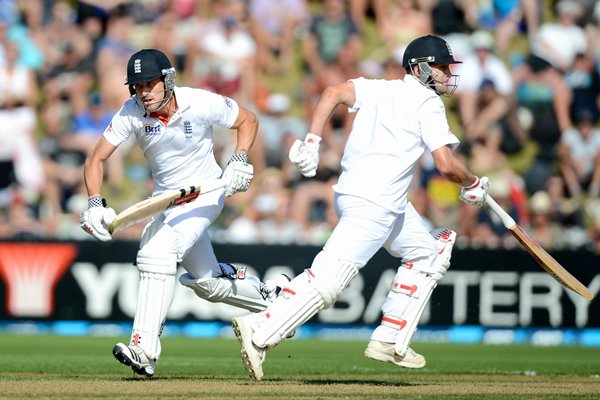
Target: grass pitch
x=51, y=367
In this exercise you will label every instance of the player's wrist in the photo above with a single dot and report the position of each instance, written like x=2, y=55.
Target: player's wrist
x=312, y=139
x=239, y=157
x=96, y=201
x=473, y=185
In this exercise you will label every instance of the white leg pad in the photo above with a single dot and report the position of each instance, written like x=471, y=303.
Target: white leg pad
x=315, y=289
x=444, y=240
x=157, y=263
x=244, y=293
x=412, y=287
x=415, y=305
x=296, y=304
x=403, y=308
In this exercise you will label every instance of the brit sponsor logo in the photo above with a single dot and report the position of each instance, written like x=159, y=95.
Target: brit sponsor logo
x=30, y=272
x=152, y=130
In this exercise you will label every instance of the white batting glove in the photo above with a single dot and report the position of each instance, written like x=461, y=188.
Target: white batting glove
x=476, y=193
x=97, y=219
x=237, y=175
x=305, y=155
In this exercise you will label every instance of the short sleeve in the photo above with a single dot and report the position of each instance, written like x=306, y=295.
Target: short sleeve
x=365, y=91
x=434, y=128
x=358, y=93
x=223, y=111
x=120, y=127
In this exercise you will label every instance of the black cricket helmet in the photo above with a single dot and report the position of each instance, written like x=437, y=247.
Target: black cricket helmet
x=426, y=51
x=149, y=64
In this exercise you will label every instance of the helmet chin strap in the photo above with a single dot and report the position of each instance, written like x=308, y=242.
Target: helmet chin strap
x=163, y=102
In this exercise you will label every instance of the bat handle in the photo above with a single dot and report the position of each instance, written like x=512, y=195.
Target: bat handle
x=212, y=185
x=507, y=220
x=112, y=227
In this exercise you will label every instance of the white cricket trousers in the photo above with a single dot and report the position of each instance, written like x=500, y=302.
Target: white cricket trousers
x=365, y=227
x=190, y=222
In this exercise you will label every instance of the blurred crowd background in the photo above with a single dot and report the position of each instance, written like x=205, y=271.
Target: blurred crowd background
x=526, y=109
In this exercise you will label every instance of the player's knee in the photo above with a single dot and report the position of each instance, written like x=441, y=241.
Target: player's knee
x=438, y=262
x=158, y=250
x=212, y=289
x=330, y=276
x=444, y=240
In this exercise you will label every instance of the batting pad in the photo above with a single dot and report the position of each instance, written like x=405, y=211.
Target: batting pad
x=307, y=294
x=403, y=308
x=412, y=315
x=295, y=305
x=244, y=293
x=157, y=263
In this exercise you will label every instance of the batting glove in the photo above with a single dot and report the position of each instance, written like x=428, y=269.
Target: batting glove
x=476, y=193
x=305, y=155
x=97, y=218
x=238, y=174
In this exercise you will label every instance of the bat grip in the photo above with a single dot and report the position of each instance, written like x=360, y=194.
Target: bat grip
x=507, y=220
x=212, y=185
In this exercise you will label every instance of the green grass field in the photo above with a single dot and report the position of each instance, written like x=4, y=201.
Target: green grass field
x=51, y=367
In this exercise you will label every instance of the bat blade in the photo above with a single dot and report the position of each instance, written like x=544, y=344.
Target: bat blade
x=549, y=264
x=545, y=260
x=162, y=202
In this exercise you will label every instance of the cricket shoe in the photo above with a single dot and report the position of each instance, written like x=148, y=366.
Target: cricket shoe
x=386, y=352
x=253, y=356
x=134, y=357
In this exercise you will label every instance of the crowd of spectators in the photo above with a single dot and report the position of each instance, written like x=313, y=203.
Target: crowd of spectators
x=527, y=107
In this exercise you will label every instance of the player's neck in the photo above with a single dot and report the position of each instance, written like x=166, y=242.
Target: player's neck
x=166, y=112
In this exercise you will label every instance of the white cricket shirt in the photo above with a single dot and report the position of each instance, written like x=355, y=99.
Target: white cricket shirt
x=179, y=153
x=395, y=122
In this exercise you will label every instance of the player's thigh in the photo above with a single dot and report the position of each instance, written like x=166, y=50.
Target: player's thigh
x=362, y=229
x=409, y=238
x=191, y=221
x=200, y=260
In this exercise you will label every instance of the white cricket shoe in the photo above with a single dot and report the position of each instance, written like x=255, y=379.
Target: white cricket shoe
x=385, y=352
x=253, y=356
x=134, y=357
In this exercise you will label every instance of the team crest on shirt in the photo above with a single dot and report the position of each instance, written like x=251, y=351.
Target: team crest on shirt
x=227, y=102
x=152, y=130
x=187, y=129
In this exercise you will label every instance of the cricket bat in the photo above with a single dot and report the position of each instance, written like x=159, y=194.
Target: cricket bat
x=546, y=261
x=162, y=202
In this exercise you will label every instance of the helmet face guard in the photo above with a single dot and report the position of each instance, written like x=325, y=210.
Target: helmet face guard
x=425, y=52
x=428, y=78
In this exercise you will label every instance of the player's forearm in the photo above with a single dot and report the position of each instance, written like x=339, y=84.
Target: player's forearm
x=460, y=175
x=246, y=133
x=92, y=175
x=333, y=96
x=321, y=116
x=93, y=169
x=452, y=168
